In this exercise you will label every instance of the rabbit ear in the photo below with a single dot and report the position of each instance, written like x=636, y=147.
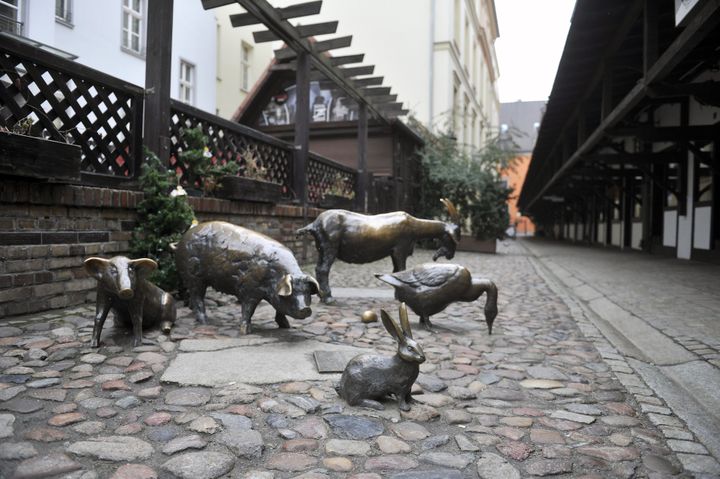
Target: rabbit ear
x=391, y=326
x=404, y=322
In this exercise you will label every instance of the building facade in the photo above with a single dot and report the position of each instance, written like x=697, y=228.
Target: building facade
x=438, y=55
x=627, y=152
x=110, y=36
x=519, y=124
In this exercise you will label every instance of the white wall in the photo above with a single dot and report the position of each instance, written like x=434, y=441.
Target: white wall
x=685, y=223
x=616, y=234
x=670, y=228
x=637, y=232
x=601, y=232
x=95, y=38
x=702, y=231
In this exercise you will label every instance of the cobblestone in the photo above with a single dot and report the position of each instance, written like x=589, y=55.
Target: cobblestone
x=546, y=394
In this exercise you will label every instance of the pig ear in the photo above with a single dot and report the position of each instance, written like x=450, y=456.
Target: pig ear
x=284, y=287
x=96, y=266
x=314, y=286
x=144, y=265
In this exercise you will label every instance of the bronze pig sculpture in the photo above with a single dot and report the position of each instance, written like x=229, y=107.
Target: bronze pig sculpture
x=136, y=302
x=369, y=377
x=357, y=238
x=429, y=288
x=253, y=267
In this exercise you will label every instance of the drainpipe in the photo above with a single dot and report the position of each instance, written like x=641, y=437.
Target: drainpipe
x=432, y=62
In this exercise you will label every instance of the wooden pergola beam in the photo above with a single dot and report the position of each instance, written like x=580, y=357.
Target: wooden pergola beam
x=305, y=31
x=357, y=71
x=293, y=11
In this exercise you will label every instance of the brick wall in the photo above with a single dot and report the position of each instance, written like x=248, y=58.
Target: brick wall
x=47, y=230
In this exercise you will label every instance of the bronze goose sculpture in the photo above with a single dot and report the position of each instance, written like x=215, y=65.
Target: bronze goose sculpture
x=429, y=288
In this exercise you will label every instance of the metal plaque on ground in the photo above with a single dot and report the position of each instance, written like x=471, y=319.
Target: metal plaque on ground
x=332, y=361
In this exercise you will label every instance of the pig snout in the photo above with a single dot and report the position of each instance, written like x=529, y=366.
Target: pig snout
x=125, y=286
x=304, y=312
x=166, y=327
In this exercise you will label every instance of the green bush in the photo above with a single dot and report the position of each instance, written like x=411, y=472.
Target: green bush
x=470, y=179
x=162, y=219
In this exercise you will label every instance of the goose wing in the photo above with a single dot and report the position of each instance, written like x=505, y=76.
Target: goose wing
x=423, y=276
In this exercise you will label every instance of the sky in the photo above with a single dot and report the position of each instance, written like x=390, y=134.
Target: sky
x=532, y=38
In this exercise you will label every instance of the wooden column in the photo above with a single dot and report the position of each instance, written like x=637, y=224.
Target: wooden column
x=362, y=178
x=158, y=63
x=627, y=210
x=606, y=102
x=650, y=35
x=302, y=127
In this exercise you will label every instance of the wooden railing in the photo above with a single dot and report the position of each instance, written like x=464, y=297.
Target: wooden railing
x=62, y=100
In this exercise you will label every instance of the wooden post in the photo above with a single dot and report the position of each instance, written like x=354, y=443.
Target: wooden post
x=302, y=139
x=362, y=180
x=606, y=102
x=158, y=63
x=302, y=127
x=650, y=35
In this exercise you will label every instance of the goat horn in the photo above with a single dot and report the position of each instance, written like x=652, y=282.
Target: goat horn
x=452, y=211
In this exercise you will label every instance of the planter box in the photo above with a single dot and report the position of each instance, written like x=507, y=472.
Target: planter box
x=246, y=189
x=477, y=246
x=337, y=202
x=22, y=155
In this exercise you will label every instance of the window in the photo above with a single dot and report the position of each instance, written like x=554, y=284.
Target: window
x=10, y=16
x=246, y=51
x=132, y=26
x=187, y=82
x=63, y=11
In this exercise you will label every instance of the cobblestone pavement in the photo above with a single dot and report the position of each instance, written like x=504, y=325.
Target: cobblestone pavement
x=545, y=395
x=657, y=289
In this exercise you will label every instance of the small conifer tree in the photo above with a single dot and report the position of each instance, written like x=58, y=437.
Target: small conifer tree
x=162, y=219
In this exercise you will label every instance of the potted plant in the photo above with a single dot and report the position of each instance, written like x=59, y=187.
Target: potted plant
x=472, y=180
x=254, y=183
x=25, y=154
x=339, y=194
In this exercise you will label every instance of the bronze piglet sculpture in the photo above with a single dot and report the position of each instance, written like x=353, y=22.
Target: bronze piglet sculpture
x=135, y=301
x=356, y=238
x=429, y=288
x=369, y=377
x=247, y=264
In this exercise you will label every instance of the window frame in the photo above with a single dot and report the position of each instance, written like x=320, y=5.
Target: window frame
x=141, y=15
x=245, y=66
x=185, y=84
x=66, y=17
x=19, y=12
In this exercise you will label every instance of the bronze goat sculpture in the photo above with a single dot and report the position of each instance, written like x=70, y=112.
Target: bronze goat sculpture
x=357, y=238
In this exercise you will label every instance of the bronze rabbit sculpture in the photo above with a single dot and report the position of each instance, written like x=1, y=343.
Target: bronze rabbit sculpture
x=368, y=378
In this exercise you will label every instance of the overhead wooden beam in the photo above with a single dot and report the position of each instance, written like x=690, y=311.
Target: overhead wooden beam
x=332, y=44
x=357, y=71
x=209, y=4
x=304, y=31
x=390, y=106
x=288, y=53
x=668, y=133
x=704, y=19
x=293, y=11
x=368, y=81
x=347, y=59
x=396, y=113
x=269, y=16
x=377, y=99
x=619, y=158
x=373, y=91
